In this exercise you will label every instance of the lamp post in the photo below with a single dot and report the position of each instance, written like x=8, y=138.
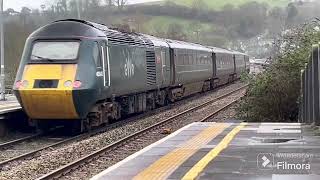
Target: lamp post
x=2, y=82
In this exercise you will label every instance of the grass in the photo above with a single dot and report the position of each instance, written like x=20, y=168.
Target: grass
x=165, y=21
x=219, y=4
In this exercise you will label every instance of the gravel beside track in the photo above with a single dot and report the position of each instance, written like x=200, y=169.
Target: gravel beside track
x=49, y=160
x=13, y=136
x=112, y=157
x=25, y=147
x=227, y=115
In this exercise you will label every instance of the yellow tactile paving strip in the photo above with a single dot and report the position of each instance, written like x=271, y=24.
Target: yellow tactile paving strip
x=199, y=167
x=163, y=167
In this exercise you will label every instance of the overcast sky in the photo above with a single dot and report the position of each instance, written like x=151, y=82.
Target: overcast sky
x=17, y=4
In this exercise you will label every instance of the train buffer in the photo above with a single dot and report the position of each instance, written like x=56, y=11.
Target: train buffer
x=10, y=105
x=226, y=151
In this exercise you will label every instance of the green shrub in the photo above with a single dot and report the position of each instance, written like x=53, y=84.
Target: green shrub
x=274, y=94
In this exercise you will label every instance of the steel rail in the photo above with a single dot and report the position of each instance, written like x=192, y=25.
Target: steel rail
x=219, y=110
x=78, y=137
x=82, y=136
x=10, y=143
x=73, y=165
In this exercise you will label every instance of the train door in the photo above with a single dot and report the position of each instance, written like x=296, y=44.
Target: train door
x=234, y=64
x=104, y=52
x=165, y=65
x=164, y=62
x=96, y=53
x=172, y=67
x=214, y=64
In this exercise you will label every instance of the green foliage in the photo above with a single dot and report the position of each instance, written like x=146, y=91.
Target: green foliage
x=219, y=4
x=274, y=94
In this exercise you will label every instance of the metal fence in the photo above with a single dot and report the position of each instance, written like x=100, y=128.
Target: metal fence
x=310, y=80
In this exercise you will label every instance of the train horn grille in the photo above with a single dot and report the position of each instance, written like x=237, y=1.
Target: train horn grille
x=151, y=68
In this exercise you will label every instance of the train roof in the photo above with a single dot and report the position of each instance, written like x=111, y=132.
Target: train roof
x=158, y=42
x=82, y=28
x=67, y=28
x=220, y=50
x=186, y=45
x=237, y=52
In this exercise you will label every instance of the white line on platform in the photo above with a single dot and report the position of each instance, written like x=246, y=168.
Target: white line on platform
x=117, y=165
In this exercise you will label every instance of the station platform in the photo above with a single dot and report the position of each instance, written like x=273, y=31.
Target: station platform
x=9, y=105
x=226, y=151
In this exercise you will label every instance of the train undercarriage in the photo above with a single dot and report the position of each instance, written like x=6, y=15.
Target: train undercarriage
x=113, y=109
x=117, y=108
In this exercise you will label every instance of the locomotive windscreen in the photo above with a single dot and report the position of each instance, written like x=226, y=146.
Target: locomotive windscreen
x=55, y=50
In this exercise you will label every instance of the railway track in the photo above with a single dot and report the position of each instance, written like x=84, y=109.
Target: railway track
x=19, y=140
x=29, y=146
x=15, y=150
x=19, y=147
x=135, y=141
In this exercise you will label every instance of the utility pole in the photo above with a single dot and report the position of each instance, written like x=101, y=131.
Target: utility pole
x=2, y=82
x=78, y=9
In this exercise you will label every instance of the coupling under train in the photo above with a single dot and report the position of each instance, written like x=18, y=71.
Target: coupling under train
x=86, y=74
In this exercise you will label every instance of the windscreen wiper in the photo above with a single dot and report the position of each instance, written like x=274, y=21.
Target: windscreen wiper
x=42, y=58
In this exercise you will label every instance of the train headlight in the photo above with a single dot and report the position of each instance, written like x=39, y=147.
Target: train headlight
x=18, y=84
x=22, y=84
x=25, y=83
x=77, y=84
x=68, y=84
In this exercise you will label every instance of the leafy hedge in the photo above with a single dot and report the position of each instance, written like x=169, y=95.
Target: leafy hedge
x=274, y=95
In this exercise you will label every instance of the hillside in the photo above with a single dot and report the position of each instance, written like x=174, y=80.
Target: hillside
x=218, y=4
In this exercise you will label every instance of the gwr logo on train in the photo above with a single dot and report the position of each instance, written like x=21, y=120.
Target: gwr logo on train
x=128, y=68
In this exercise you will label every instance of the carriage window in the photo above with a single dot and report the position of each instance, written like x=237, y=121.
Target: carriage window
x=186, y=60
x=59, y=50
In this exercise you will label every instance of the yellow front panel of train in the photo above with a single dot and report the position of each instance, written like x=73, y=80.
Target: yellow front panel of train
x=49, y=103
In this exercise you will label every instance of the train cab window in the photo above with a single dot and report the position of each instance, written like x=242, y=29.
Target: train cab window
x=55, y=50
x=96, y=55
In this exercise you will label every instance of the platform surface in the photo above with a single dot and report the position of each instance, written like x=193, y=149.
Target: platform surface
x=248, y=151
x=9, y=105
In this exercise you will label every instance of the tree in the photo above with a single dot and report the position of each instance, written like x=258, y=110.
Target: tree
x=109, y=2
x=251, y=24
x=94, y=4
x=195, y=28
x=292, y=13
x=276, y=20
x=25, y=13
x=274, y=94
x=199, y=5
x=10, y=11
x=121, y=3
x=175, y=31
x=139, y=20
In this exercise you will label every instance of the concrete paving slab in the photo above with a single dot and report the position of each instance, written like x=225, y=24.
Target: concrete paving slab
x=258, y=151
x=295, y=177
